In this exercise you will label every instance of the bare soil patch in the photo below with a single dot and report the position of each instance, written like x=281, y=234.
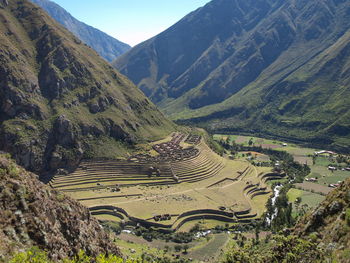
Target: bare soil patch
x=308, y=186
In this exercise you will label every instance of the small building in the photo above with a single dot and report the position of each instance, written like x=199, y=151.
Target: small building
x=311, y=179
x=325, y=152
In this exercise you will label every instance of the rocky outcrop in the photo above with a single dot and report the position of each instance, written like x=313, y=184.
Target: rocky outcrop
x=330, y=221
x=32, y=214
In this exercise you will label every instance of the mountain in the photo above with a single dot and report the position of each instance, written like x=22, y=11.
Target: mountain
x=268, y=67
x=32, y=214
x=61, y=102
x=108, y=47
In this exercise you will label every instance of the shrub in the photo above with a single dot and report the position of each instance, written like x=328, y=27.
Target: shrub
x=34, y=255
x=347, y=216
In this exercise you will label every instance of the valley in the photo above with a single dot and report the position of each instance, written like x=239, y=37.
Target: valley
x=229, y=142
x=177, y=197
x=174, y=193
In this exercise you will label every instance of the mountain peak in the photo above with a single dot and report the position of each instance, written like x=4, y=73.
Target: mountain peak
x=106, y=46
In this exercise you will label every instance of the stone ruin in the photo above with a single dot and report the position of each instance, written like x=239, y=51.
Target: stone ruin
x=170, y=151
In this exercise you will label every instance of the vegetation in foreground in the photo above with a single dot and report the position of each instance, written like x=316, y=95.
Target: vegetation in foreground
x=36, y=255
x=33, y=214
x=321, y=235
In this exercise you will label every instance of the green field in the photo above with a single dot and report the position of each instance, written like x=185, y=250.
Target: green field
x=301, y=154
x=325, y=177
x=308, y=198
x=201, y=249
x=210, y=250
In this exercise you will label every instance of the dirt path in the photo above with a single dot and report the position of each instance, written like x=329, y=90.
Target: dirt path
x=179, y=193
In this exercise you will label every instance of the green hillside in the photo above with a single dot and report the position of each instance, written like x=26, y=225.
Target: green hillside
x=271, y=67
x=311, y=103
x=60, y=102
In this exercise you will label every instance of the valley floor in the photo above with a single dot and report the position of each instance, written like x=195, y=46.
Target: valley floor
x=204, y=187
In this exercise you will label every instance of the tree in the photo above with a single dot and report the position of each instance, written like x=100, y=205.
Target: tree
x=185, y=248
x=166, y=248
x=257, y=232
x=178, y=248
x=251, y=142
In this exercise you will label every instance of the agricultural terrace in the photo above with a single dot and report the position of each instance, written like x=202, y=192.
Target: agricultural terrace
x=176, y=183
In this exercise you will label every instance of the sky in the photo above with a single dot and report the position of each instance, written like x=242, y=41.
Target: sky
x=130, y=21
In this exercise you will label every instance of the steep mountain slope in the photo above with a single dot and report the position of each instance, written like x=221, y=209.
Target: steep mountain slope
x=267, y=66
x=331, y=222
x=61, y=102
x=32, y=214
x=105, y=45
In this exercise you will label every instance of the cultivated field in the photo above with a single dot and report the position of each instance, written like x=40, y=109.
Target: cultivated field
x=207, y=249
x=300, y=154
x=308, y=198
x=178, y=182
x=314, y=187
x=319, y=165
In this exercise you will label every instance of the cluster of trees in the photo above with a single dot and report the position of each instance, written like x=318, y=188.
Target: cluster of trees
x=296, y=171
x=343, y=159
x=178, y=237
x=277, y=248
x=283, y=217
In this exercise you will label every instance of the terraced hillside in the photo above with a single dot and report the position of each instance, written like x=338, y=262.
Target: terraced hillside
x=182, y=183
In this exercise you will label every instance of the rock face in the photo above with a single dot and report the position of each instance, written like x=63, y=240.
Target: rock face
x=331, y=222
x=32, y=214
x=264, y=66
x=4, y=3
x=61, y=102
x=108, y=47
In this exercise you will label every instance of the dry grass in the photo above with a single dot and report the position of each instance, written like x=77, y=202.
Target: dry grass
x=176, y=199
x=317, y=188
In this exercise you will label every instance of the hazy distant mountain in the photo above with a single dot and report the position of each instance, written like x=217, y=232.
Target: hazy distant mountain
x=61, y=102
x=105, y=45
x=276, y=67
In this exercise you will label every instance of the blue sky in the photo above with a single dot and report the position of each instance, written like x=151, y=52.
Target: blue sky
x=130, y=21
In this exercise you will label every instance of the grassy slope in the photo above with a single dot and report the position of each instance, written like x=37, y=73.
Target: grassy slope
x=312, y=102
x=279, y=68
